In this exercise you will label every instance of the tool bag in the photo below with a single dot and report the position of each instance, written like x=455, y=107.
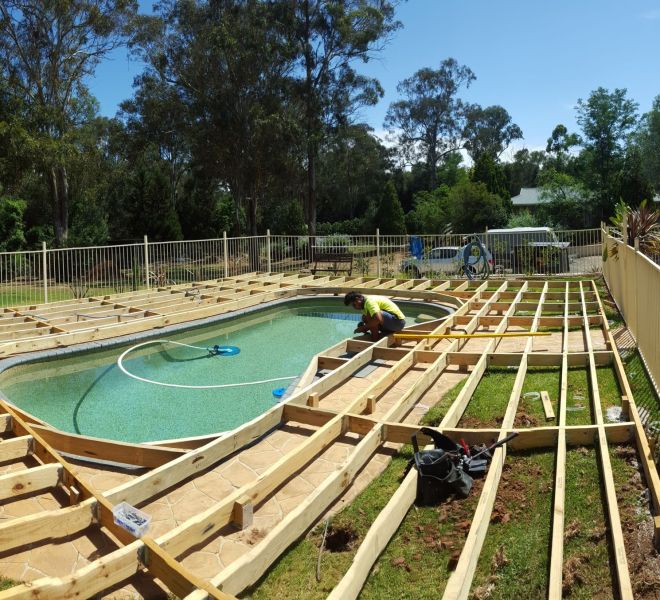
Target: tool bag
x=438, y=474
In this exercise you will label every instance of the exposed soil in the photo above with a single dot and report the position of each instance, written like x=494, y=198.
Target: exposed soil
x=637, y=524
x=340, y=538
x=525, y=420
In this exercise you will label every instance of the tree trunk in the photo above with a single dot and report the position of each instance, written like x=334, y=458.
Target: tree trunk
x=59, y=187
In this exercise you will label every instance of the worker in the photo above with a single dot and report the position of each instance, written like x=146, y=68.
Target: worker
x=379, y=314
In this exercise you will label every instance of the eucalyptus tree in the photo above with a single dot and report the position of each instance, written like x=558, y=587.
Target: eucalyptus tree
x=607, y=119
x=489, y=131
x=428, y=122
x=330, y=36
x=47, y=50
x=227, y=64
x=648, y=141
x=353, y=166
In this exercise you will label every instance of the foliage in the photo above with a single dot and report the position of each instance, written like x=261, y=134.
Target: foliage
x=492, y=175
x=606, y=120
x=328, y=39
x=352, y=171
x=642, y=223
x=12, y=233
x=522, y=219
x=287, y=219
x=489, y=131
x=648, y=140
x=429, y=121
x=349, y=226
x=431, y=212
x=389, y=216
x=47, y=49
x=473, y=208
x=524, y=170
x=566, y=201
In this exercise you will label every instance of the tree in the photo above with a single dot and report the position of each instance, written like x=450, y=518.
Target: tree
x=648, y=140
x=566, y=201
x=389, y=216
x=492, y=175
x=429, y=121
x=330, y=36
x=47, y=49
x=524, y=170
x=559, y=146
x=489, y=131
x=606, y=120
x=431, y=212
x=12, y=232
x=473, y=208
x=353, y=167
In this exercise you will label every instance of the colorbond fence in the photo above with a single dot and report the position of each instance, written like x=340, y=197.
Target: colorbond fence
x=634, y=281
x=49, y=275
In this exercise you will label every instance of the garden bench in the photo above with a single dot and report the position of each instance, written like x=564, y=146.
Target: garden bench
x=332, y=262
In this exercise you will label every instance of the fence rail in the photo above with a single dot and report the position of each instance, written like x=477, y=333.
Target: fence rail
x=52, y=275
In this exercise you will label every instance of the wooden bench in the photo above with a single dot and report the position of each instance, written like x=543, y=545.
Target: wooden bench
x=333, y=262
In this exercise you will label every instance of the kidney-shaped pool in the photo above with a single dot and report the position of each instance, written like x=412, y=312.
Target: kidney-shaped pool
x=199, y=381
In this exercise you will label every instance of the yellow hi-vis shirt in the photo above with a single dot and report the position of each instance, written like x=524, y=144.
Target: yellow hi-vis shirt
x=374, y=304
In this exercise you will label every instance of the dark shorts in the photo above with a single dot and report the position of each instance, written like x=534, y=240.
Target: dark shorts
x=391, y=322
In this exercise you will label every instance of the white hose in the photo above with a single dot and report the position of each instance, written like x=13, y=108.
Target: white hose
x=120, y=364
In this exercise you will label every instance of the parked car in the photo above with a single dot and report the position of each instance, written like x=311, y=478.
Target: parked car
x=528, y=249
x=445, y=260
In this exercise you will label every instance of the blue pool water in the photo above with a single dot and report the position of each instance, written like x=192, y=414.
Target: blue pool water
x=87, y=393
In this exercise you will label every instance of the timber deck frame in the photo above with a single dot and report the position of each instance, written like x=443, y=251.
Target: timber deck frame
x=369, y=418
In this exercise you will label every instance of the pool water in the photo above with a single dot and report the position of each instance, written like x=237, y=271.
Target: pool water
x=87, y=393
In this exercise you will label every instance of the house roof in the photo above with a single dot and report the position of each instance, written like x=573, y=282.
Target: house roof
x=527, y=197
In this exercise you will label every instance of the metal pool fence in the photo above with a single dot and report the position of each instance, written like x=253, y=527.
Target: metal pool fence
x=50, y=275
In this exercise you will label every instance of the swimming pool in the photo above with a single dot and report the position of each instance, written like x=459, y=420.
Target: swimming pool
x=87, y=393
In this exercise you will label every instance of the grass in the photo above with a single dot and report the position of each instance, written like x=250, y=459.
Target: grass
x=514, y=561
x=540, y=379
x=587, y=571
x=490, y=399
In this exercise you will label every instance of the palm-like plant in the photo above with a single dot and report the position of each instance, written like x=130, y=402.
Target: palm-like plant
x=642, y=223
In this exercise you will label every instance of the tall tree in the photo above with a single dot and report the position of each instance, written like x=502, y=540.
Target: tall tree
x=47, y=49
x=429, y=121
x=607, y=119
x=489, y=131
x=330, y=36
x=648, y=140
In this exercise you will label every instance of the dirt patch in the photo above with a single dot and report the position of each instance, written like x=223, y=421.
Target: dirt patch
x=637, y=524
x=340, y=538
x=572, y=573
x=526, y=420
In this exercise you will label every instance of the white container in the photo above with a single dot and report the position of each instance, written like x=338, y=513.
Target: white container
x=131, y=519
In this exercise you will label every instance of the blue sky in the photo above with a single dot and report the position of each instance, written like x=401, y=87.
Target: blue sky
x=535, y=58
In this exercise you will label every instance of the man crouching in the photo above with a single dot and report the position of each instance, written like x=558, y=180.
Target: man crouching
x=379, y=314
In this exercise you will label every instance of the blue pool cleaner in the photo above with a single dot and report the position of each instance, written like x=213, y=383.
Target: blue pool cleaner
x=279, y=392
x=223, y=350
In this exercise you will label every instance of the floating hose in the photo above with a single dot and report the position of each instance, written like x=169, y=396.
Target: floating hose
x=210, y=350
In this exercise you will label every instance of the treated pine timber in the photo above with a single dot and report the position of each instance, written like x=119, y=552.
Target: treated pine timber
x=30, y=480
x=374, y=542
x=458, y=586
x=547, y=406
x=18, y=447
x=643, y=448
x=241, y=573
x=555, y=579
x=178, y=579
x=616, y=534
x=97, y=448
